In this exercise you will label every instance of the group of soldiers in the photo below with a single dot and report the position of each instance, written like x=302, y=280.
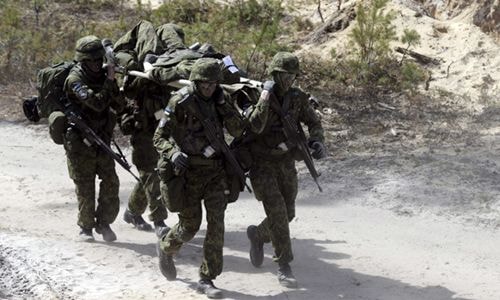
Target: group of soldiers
x=178, y=139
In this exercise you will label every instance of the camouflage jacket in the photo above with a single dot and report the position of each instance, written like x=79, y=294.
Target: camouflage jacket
x=180, y=130
x=265, y=133
x=94, y=97
x=147, y=104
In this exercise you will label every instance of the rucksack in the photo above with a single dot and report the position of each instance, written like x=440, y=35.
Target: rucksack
x=50, y=85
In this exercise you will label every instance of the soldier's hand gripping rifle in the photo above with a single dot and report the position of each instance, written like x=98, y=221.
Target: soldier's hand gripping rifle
x=216, y=139
x=295, y=134
x=91, y=138
x=219, y=143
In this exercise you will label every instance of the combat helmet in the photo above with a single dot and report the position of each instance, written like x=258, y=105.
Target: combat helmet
x=206, y=69
x=284, y=62
x=89, y=47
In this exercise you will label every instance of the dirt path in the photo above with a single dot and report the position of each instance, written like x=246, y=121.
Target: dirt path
x=415, y=226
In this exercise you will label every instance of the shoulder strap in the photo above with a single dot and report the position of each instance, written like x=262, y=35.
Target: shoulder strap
x=281, y=110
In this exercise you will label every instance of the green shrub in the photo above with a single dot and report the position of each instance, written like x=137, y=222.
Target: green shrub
x=34, y=34
x=247, y=30
x=372, y=63
x=373, y=32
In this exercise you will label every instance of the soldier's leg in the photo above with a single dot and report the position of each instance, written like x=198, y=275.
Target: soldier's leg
x=108, y=201
x=142, y=39
x=145, y=158
x=215, y=206
x=287, y=181
x=137, y=201
x=188, y=225
x=289, y=187
x=275, y=226
x=82, y=170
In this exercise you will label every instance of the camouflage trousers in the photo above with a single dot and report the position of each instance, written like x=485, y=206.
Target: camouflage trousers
x=83, y=166
x=142, y=39
x=145, y=157
x=207, y=184
x=275, y=185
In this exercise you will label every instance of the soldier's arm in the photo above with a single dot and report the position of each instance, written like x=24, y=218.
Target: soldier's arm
x=163, y=76
x=162, y=138
x=118, y=101
x=98, y=101
x=309, y=117
x=257, y=114
x=233, y=121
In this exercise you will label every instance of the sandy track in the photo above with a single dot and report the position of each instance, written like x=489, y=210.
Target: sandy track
x=383, y=229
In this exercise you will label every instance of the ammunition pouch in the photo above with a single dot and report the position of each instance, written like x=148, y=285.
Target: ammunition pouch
x=172, y=187
x=57, y=126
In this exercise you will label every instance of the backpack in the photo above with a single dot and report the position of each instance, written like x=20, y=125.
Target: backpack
x=50, y=84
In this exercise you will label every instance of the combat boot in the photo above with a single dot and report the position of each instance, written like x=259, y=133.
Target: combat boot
x=161, y=229
x=285, y=276
x=207, y=287
x=107, y=234
x=166, y=262
x=137, y=221
x=256, y=247
x=86, y=235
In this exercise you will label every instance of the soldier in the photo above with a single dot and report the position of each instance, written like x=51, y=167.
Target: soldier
x=140, y=121
x=94, y=93
x=272, y=172
x=192, y=170
x=146, y=104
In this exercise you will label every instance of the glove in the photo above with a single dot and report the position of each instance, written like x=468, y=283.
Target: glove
x=180, y=161
x=319, y=150
x=150, y=58
x=268, y=85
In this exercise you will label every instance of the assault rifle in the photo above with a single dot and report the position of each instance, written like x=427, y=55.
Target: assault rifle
x=219, y=143
x=91, y=138
x=295, y=134
x=216, y=140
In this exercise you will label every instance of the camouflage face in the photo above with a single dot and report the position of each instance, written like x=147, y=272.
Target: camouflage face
x=89, y=48
x=206, y=88
x=284, y=80
x=206, y=69
x=284, y=62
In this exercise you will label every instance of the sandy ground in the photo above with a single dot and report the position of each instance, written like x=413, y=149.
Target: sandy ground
x=468, y=59
x=420, y=225
x=410, y=223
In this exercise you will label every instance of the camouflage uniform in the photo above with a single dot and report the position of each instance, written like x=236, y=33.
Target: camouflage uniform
x=148, y=99
x=205, y=178
x=134, y=45
x=146, y=106
x=94, y=96
x=273, y=174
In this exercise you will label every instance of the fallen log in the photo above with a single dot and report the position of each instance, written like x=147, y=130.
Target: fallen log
x=423, y=59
